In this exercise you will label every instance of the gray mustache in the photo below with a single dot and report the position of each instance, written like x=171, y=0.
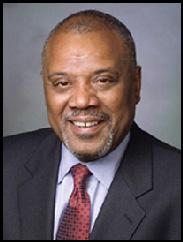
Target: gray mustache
x=77, y=113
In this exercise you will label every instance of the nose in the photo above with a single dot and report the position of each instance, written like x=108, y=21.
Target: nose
x=83, y=97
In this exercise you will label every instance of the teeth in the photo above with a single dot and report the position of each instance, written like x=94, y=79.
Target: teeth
x=85, y=124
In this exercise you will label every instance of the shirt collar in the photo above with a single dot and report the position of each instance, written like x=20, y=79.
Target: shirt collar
x=104, y=169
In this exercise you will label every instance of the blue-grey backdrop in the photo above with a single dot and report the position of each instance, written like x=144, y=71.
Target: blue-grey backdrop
x=156, y=30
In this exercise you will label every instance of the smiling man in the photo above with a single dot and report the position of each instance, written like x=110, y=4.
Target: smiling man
x=95, y=174
x=91, y=87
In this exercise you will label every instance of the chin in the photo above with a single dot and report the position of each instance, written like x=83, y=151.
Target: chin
x=89, y=154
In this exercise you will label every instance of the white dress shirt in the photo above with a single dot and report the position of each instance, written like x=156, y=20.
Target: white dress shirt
x=103, y=171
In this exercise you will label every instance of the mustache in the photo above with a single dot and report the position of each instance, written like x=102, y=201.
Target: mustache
x=77, y=113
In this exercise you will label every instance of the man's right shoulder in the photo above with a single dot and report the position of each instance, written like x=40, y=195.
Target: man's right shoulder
x=24, y=143
x=28, y=137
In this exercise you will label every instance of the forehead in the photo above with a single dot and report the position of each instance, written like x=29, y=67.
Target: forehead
x=67, y=50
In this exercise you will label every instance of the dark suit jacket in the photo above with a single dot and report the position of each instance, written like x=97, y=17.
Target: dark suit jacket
x=143, y=202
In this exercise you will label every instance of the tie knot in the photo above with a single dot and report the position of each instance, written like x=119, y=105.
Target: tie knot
x=80, y=173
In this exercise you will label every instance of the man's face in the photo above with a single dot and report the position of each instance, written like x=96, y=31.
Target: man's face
x=90, y=93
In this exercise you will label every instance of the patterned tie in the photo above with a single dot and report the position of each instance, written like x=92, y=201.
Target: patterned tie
x=75, y=224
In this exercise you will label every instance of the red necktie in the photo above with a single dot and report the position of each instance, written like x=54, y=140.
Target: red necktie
x=75, y=224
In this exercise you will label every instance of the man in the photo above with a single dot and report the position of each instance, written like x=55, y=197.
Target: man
x=92, y=85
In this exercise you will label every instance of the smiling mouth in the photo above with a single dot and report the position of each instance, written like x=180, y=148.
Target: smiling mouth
x=86, y=124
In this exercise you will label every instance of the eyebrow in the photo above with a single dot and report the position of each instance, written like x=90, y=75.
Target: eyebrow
x=97, y=72
x=58, y=74
x=109, y=70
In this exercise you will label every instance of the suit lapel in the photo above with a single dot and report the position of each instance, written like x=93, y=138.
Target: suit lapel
x=121, y=214
x=37, y=193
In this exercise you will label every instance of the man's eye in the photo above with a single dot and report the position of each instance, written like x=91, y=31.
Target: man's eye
x=62, y=83
x=103, y=80
x=104, y=83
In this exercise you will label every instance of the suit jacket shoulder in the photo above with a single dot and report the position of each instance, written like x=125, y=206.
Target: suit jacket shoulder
x=143, y=202
x=24, y=143
x=166, y=163
x=163, y=154
x=162, y=203
x=32, y=159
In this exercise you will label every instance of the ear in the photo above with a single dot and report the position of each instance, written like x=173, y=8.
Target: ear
x=137, y=81
x=42, y=75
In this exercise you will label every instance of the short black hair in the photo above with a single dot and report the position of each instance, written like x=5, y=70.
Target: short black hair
x=89, y=20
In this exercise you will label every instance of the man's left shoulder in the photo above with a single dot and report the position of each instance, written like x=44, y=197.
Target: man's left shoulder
x=165, y=151
x=164, y=155
x=160, y=147
x=166, y=163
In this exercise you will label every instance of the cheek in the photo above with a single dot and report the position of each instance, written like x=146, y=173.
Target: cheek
x=55, y=104
x=55, y=108
x=114, y=100
x=120, y=103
